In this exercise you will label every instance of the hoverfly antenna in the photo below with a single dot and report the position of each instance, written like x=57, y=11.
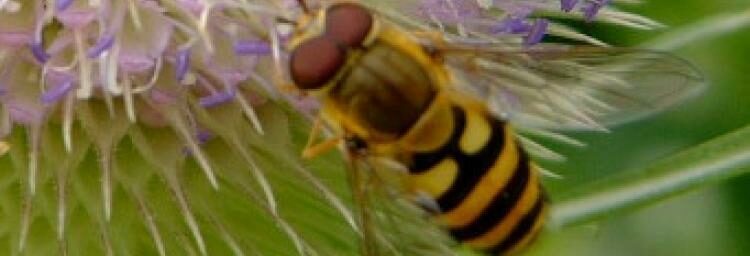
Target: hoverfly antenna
x=303, y=5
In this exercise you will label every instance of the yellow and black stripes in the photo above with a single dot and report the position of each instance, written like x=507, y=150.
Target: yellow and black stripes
x=494, y=200
x=498, y=207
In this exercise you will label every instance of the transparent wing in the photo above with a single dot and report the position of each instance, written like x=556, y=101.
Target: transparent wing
x=563, y=87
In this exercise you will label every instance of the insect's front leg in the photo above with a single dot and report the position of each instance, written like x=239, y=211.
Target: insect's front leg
x=312, y=149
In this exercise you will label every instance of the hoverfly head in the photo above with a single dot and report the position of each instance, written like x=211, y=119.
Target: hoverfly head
x=322, y=40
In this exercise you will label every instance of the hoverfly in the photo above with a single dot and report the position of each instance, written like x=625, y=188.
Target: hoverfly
x=446, y=111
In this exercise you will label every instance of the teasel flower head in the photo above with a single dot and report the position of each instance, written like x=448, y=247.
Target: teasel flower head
x=156, y=127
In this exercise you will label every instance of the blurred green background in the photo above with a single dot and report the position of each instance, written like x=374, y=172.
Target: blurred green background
x=712, y=220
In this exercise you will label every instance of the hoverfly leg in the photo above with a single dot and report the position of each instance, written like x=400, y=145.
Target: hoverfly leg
x=4, y=147
x=435, y=42
x=320, y=148
x=311, y=149
x=313, y=134
x=359, y=180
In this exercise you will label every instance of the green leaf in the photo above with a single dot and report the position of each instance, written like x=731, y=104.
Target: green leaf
x=716, y=160
x=707, y=28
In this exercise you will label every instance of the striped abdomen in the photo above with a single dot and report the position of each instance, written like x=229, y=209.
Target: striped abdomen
x=489, y=195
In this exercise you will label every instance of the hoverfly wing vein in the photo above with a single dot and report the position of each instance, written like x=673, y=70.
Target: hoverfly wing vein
x=597, y=87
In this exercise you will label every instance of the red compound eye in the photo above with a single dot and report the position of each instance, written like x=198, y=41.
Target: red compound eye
x=348, y=23
x=314, y=62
